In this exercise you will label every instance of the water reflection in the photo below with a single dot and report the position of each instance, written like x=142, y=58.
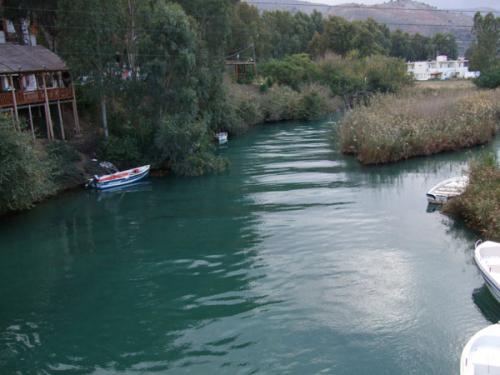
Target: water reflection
x=297, y=260
x=488, y=305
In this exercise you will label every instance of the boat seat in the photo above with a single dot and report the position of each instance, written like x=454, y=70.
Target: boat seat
x=482, y=369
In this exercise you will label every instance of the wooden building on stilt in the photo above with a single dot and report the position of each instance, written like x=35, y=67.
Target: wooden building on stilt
x=35, y=85
x=241, y=70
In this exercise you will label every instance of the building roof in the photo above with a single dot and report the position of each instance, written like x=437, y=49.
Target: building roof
x=15, y=58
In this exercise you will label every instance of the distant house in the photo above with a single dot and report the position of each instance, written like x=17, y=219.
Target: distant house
x=441, y=69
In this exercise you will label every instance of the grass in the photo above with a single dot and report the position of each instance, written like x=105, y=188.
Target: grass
x=479, y=206
x=421, y=120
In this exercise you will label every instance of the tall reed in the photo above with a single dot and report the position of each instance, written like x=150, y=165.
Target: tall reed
x=419, y=122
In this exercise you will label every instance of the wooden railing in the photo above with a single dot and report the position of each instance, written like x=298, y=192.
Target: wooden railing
x=37, y=96
x=6, y=99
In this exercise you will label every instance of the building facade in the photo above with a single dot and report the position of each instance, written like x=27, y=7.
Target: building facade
x=35, y=85
x=441, y=69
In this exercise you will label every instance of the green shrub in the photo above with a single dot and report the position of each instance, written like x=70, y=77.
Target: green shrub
x=64, y=158
x=479, y=206
x=310, y=107
x=187, y=149
x=25, y=173
x=292, y=70
x=489, y=79
x=122, y=151
x=278, y=103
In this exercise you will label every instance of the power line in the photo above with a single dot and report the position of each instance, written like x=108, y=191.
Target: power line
x=305, y=4
x=349, y=6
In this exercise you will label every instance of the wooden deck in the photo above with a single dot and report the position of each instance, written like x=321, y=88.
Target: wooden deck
x=35, y=97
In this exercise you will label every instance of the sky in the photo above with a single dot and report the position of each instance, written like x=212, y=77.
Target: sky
x=450, y=4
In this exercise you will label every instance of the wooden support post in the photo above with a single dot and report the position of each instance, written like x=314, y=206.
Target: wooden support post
x=61, y=124
x=48, y=119
x=31, y=122
x=14, y=100
x=75, y=111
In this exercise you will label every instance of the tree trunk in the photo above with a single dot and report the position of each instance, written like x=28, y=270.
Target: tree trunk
x=104, y=117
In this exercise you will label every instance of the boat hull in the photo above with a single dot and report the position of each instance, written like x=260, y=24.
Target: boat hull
x=446, y=190
x=120, y=179
x=490, y=284
x=481, y=354
x=485, y=266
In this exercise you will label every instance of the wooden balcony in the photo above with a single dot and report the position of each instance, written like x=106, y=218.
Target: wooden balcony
x=35, y=97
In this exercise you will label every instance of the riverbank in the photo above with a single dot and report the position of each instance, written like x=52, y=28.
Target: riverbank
x=421, y=120
x=479, y=206
x=253, y=104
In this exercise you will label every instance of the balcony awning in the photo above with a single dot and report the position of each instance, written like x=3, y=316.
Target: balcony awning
x=15, y=58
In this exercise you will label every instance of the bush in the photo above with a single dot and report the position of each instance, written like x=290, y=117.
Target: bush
x=356, y=79
x=187, y=148
x=278, y=104
x=292, y=70
x=479, y=206
x=64, y=158
x=489, y=79
x=25, y=173
x=123, y=151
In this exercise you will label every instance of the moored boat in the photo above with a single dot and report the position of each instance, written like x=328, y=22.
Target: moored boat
x=119, y=179
x=222, y=137
x=487, y=257
x=481, y=355
x=447, y=190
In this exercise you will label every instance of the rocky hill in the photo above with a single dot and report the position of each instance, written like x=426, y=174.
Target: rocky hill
x=407, y=15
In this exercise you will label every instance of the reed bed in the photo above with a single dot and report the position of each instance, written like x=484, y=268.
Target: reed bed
x=420, y=122
x=479, y=206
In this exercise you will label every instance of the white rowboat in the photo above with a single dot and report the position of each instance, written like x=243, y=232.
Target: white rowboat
x=481, y=355
x=222, y=137
x=487, y=257
x=447, y=189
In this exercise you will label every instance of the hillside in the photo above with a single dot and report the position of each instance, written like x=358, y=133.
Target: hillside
x=407, y=15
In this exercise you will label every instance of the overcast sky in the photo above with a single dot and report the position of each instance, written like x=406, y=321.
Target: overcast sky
x=439, y=3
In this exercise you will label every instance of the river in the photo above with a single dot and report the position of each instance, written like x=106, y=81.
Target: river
x=297, y=260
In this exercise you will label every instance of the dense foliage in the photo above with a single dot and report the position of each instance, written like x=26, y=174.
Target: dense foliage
x=483, y=54
x=154, y=68
x=276, y=34
x=25, y=173
x=479, y=206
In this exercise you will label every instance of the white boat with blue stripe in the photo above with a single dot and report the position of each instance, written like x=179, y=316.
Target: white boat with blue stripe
x=118, y=179
x=487, y=257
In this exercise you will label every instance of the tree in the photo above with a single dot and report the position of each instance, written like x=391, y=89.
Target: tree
x=421, y=47
x=90, y=44
x=484, y=52
x=401, y=45
x=445, y=44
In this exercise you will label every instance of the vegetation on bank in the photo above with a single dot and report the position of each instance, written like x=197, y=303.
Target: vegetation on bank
x=30, y=172
x=479, y=206
x=419, y=122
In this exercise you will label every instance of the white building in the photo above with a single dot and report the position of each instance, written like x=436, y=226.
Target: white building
x=441, y=68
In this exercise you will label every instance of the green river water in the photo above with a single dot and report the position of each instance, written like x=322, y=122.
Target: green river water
x=297, y=260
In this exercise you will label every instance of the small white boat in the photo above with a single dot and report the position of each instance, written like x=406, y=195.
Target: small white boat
x=119, y=179
x=447, y=189
x=487, y=257
x=481, y=355
x=222, y=137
